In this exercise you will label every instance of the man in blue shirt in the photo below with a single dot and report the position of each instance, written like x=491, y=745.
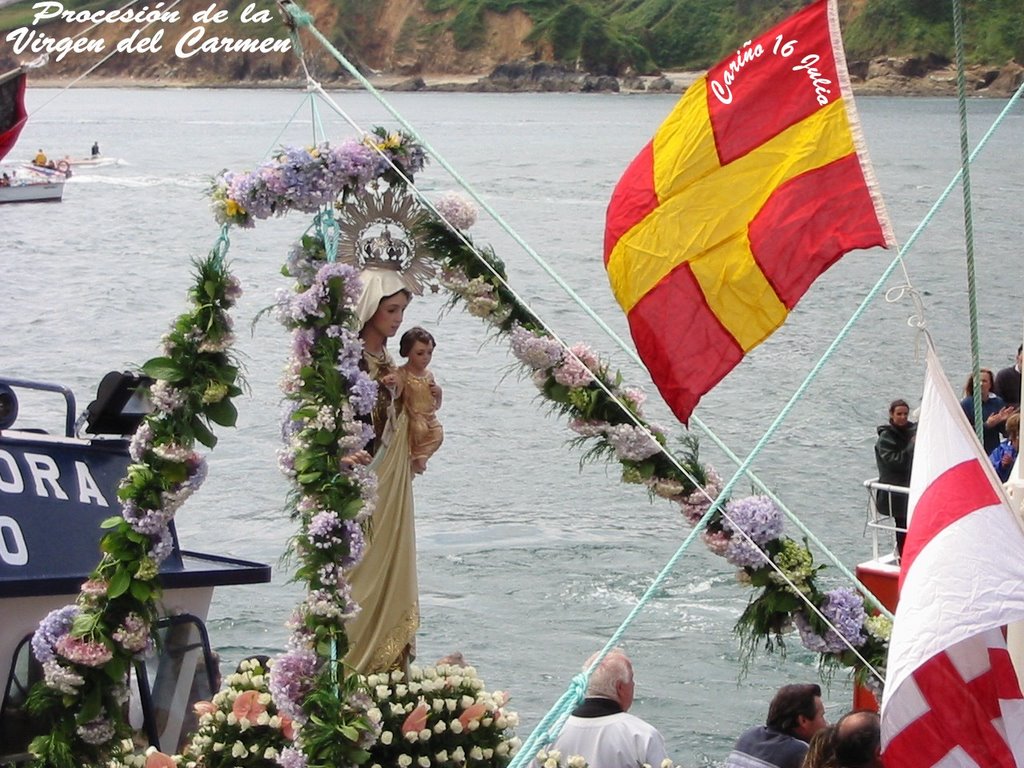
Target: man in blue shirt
x=795, y=714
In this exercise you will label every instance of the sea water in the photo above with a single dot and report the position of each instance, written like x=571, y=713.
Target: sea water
x=527, y=561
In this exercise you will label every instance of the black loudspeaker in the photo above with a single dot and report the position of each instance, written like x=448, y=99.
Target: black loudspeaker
x=120, y=406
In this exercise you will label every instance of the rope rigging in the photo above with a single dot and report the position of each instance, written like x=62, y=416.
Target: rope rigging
x=552, y=722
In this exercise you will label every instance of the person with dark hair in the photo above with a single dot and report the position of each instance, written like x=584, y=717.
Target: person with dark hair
x=994, y=412
x=601, y=730
x=859, y=740
x=420, y=396
x=1007, y=384
x=795, y=714
x=821, y=749
x=894, y=456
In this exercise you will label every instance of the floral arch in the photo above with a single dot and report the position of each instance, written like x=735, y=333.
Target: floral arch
x=321, y=710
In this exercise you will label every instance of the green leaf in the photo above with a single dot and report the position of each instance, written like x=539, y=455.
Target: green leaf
x=92, y=705
x=308, y=477
x=163, y=368
x=202, y=433
x=111, y=522
x=141, y=591
x=119, y=583
x=222, y=412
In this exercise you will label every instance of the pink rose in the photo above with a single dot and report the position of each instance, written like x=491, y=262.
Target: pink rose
x=204, y=708
x=247, y=706
x=160, y=760
x=474, y=712
x=417, y=719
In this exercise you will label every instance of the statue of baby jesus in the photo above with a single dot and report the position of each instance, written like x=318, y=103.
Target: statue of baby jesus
x=420, y=396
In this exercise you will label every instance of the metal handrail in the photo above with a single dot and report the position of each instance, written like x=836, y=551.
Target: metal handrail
x=878, y=521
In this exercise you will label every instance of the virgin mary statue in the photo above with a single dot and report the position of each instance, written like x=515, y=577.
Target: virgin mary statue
x=382, y=636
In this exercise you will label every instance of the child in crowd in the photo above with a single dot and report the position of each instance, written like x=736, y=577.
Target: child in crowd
x=420, y=396
x=1005, y=454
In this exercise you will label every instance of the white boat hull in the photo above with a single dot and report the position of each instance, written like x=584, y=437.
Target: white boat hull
x=33, y=192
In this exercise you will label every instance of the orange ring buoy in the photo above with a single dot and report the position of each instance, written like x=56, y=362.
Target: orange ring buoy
x=64, y=167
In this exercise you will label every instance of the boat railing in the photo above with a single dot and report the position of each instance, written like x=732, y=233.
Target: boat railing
x=880, y=522
x=9, y=401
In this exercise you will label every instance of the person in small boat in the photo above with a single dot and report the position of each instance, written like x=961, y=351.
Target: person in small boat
x=95, y=151
x=5, y=180
x=994, y=410
x=601, y=730
x=894, y=456
x=1005, y=454
x=1007, y=384
x=795, y=714
x=382, y=636
x=40, y=158
x=420, y=396
x=859, y=740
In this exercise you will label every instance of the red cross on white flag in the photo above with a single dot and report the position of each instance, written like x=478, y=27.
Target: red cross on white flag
x=952, y=697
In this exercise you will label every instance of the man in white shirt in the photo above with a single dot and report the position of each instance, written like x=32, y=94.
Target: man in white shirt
x=601, y=730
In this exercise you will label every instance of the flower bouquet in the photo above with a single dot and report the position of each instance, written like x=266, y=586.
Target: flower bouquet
x=440, y=716
x=552, y=758
x=241, y=726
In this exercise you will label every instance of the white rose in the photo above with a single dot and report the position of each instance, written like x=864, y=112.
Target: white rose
x=488, y=753
x=466, y=702
x=437, y=705
x=263, y=719
x=414, y=688
x=382, y=692
x=269, y=753
x=442, y=756
x=456, y=727
x=450, y=704
x=217, y=747
x=423, y=761
x=415, y=672
x=473, y=725
x=440, y=726
x=396, y=677
x=238, y=749
x=405, y=761
x=502, y=749
x=577, y=761
x=425, y=734
x=232, y=720
x=401, y=691
x=386, y=738
x=265, y=699
x=412, y=736
x=501, y=723
x=373, y=680
x=458, y=755
x=476, y=753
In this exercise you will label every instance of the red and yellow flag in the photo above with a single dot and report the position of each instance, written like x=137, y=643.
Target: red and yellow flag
x=755, y=184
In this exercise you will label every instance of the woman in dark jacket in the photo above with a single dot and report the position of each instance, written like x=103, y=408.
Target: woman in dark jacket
x=894, y=455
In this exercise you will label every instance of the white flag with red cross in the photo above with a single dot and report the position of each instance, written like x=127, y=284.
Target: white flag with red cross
x=952, y=698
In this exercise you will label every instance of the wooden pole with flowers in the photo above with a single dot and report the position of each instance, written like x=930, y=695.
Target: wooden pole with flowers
x=86, y=649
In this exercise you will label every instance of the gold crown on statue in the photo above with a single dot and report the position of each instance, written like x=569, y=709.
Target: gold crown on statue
x=378, y=230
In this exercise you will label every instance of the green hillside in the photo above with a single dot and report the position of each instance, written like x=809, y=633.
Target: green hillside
x=598, y=36
x=605, y=35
